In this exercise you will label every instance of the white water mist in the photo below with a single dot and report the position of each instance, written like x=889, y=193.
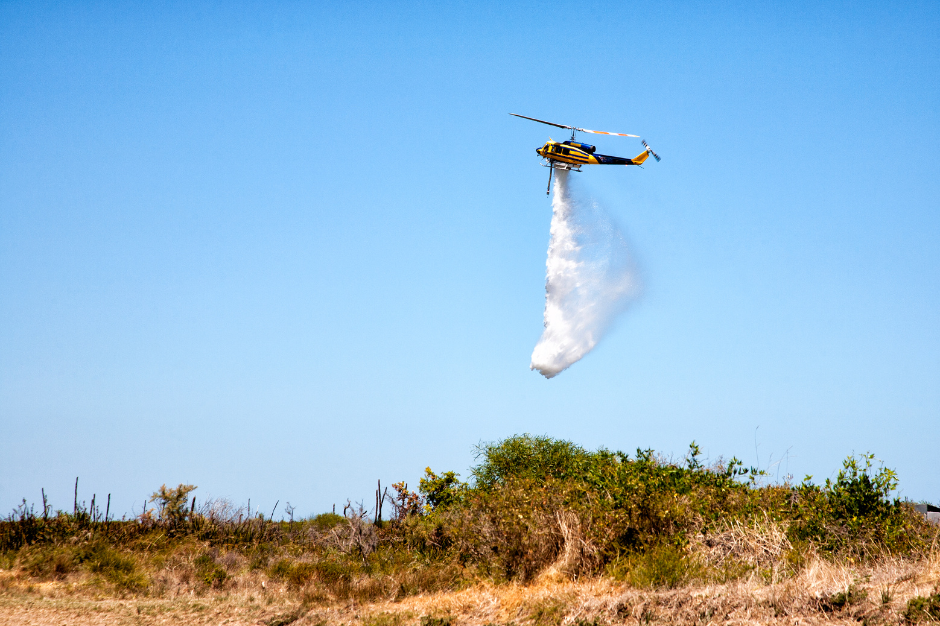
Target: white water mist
x=590, y=279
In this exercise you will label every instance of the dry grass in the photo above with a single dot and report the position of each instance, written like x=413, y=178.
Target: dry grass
x=762, y=543
x=873, y=594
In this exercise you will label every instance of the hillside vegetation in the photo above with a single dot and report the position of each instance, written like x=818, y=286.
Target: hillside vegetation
x=534, y=511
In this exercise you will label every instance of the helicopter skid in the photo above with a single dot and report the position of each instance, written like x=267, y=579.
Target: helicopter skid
x=561, y=165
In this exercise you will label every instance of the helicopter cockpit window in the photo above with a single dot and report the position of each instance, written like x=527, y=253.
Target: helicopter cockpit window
x=565, y=151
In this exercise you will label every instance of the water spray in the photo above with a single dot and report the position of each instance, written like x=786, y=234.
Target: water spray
x=590, y=279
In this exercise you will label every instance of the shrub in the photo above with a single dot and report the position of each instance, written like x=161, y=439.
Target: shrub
x=332, y=573
x=406, y=502
x=664, y=565
x=854, y=513
x=281, y=569
x=535, y=500
x=336, y=576
x=843, y=599
x=171, y=503
x=326, y=521
x=441, y=491
x=258, y=557
x=300, y=573
x=116, y=568
x=858, y=495
x=525, y=456
x=210, y=572
x=51, y=562
x=923, y=609
x=511, y=531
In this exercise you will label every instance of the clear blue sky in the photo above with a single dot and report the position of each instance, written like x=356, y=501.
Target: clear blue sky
x=280, y=250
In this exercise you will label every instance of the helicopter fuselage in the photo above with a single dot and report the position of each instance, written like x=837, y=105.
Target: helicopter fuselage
x=577, y=154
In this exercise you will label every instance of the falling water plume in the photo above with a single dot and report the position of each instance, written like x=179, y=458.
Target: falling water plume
x=590, y=279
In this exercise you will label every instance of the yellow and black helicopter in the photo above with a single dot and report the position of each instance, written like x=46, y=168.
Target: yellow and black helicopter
x=571, y=155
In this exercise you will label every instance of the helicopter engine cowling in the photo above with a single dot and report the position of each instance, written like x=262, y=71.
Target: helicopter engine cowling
x=583, y=146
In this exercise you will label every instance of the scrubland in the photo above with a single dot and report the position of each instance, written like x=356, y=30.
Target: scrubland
x=543, y=532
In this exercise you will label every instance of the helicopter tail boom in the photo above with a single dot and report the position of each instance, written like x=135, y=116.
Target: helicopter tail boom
x=640, y=158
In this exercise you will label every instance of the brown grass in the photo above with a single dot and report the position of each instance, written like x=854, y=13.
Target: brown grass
x=879, y=595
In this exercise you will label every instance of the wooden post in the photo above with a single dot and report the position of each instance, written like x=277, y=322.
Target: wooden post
x=75, y=502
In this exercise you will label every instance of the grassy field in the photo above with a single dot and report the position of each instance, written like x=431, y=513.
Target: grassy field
x=542, y=532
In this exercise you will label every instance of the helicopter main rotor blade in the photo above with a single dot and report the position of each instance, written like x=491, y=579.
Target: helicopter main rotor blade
x=601, y=132
x=544, y=122
x=583, y=130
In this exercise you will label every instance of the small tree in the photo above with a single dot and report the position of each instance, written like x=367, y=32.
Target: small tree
x=405, y=501
x=171, y=503
x=441, y=491
x=860, y=495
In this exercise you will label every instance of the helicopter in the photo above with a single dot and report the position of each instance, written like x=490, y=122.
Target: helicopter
x=571, y=154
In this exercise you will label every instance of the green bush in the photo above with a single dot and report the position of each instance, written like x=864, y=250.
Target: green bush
x=509, y=521
x=209, y=571
x=509, y=531
x=326, y=521
x=50, y=562
x=98, y=557
x=855, y=513
x=923, y=609
x=333, y=573
x=300, y=574
x=281, y=569
x=171, y=503
x=115, y=567
x=843, y=599
x=526, y=456
x=441, y=491
x=640, y=511
x=663, y=565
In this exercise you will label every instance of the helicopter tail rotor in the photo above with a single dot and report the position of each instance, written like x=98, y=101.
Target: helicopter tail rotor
x=650, y=150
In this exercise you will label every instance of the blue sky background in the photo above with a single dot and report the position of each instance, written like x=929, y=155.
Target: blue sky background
x=280, y=250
